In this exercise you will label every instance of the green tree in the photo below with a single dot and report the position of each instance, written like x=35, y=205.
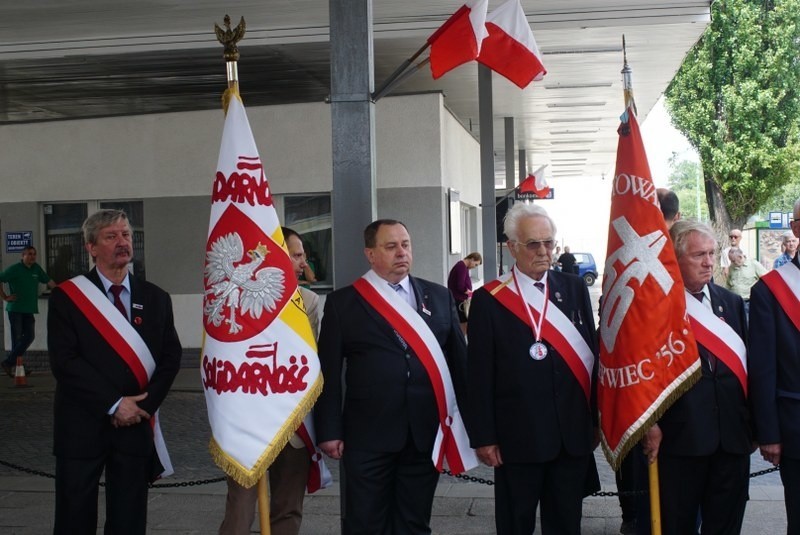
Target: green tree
x=686, y=180
x=736, y=98
x=783, y=200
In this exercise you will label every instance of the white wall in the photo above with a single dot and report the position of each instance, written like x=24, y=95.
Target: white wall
x=422, y=150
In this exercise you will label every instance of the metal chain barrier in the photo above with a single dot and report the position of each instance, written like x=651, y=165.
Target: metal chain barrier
x=102, y=484
x=471, y=479
x=607, y=493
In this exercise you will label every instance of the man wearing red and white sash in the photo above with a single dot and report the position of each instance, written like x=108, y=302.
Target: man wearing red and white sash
x=775, y=373
x=114, y=364
x=405, y=356
x=532, y=352
x=703, y=441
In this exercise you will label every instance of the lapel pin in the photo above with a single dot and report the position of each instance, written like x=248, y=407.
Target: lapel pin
x=425, y=310
x=137, y=306
x=720, y=309
x=558, y=296
x=137, y=320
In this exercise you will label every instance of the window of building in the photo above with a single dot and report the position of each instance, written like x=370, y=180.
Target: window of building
x=65, y=253
x=310, y=216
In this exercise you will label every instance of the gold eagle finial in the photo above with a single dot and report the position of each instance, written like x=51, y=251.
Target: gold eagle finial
x=229, y=37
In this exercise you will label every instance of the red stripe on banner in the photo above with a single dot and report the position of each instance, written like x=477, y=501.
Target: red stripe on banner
x=721, y=350
x=396, y=320
x=784, y=295
x=513, y=303
x=107, y=331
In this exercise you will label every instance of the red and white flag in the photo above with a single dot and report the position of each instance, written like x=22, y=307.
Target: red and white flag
x=259, y=367
x=510, y=49
x=458, y=40
x=648, y=354
x=536, y=184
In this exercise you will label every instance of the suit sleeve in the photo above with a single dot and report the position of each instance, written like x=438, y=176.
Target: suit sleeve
x=589, y=331
x=456, y=354
x=167, y=357
x=312, y=310
x=328, y=410
x=762, y=365
x=75, y=375
x=481, y=425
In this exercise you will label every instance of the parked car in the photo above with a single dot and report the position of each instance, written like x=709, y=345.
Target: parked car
x=587, y=268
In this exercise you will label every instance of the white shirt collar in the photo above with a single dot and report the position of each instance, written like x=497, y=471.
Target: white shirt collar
x=524, y=279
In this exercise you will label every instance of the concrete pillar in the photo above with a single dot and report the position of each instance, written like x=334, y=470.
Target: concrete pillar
x=354, y=201
x=488, y=222
x=510, y=141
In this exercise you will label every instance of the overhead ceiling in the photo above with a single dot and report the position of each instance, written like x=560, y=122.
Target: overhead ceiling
x=74, y=59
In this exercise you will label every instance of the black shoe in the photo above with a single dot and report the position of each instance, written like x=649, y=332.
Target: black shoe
x=7, y=369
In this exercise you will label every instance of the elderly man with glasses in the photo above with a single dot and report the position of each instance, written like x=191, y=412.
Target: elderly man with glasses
x=735, y=236
x=531, y=360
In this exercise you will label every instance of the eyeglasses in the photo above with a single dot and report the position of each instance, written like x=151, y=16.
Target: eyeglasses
x=534, y=245
x=732, y=236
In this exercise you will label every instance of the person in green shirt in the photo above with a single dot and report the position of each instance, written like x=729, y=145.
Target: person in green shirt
x=22, y=302
x=743, y=273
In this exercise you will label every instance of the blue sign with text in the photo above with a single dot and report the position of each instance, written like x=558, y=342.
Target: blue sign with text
x=16, y=242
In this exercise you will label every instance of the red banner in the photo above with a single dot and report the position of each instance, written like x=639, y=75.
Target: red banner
x=648, y=354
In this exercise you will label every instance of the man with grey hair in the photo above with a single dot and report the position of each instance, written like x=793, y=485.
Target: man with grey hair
x=775, y=373
x=735, y=236
x=743, y=273
x=789, y=244
x=703, y=441
x=531, y=361
x=114, y=353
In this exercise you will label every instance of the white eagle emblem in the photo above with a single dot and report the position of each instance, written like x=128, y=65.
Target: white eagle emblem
x=239, y=287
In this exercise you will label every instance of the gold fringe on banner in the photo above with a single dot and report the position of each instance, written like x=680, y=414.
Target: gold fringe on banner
x=687, y=380
x=248, y=478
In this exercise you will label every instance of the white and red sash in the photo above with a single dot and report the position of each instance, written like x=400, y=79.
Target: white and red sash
x=784, y=283
x=451, y=442
x=557, y=329
x=719, y=338
x=123, y=339
x=319, y=477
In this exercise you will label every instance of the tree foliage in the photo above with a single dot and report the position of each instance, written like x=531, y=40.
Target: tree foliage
x=736, y=98
x=685, y=179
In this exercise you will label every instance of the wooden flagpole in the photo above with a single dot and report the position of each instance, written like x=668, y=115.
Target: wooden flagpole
x=652, y=468
x=263, y=505
x=228, y=38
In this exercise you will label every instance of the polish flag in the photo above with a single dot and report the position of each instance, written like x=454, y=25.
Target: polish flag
x=535, y=184
x=540, y=186
x=510, y=48
x=459, y=39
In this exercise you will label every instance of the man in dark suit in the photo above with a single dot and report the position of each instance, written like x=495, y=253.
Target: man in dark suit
x=108, y=386
x=775, y=374
x=385, y=431
x=703, y=442
x=532, y=400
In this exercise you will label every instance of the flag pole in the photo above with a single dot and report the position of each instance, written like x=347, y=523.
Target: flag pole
x=388, y=86
x=652, y=468
x=228, y=38
x=389, y=83
x=263, y=505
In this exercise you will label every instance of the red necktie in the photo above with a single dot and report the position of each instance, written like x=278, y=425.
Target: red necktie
x=116, y=289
